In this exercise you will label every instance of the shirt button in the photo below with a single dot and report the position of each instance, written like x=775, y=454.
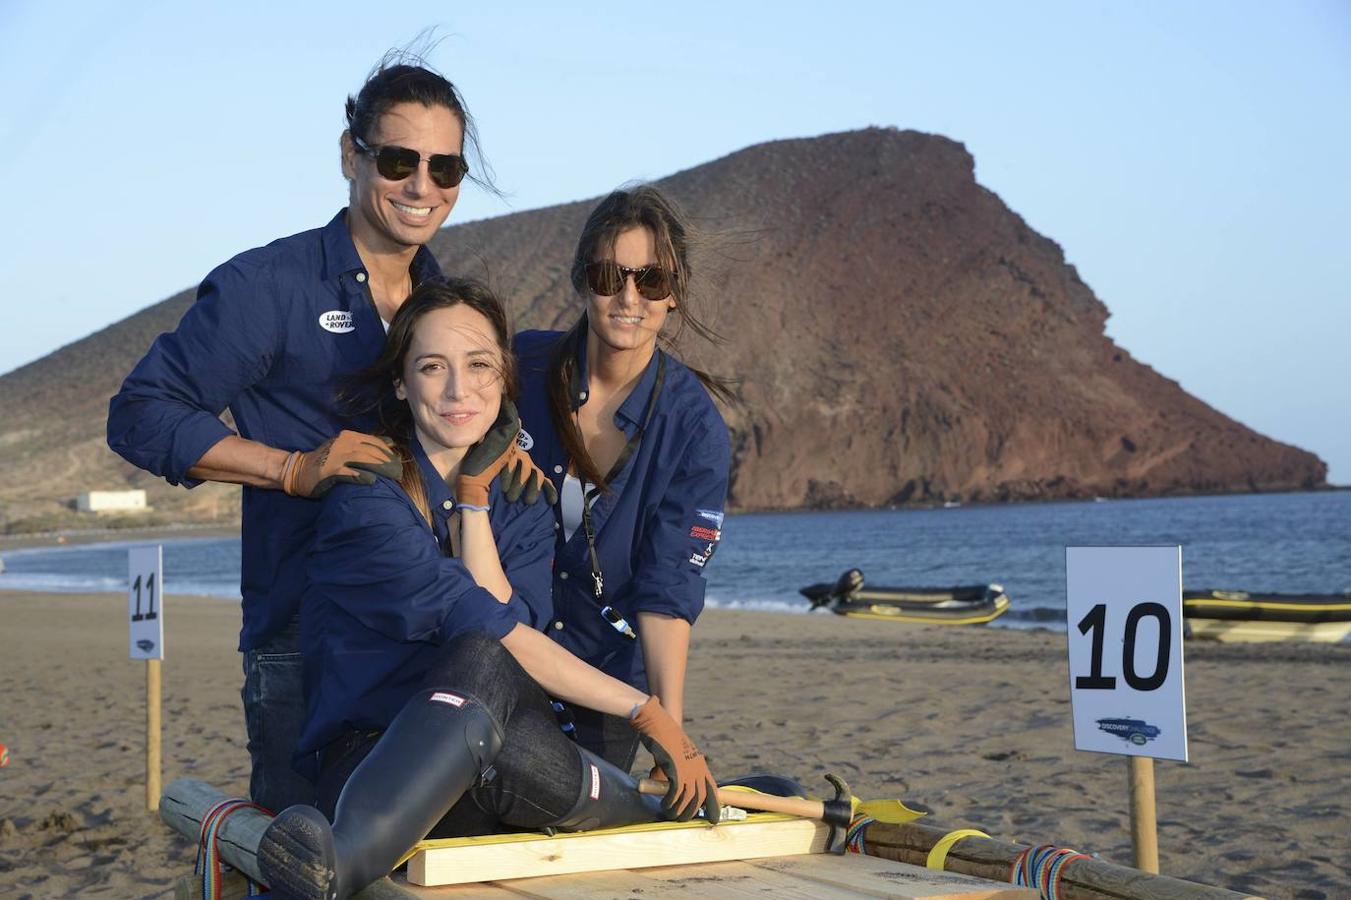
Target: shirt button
x=448, y=504
x=558, y=626
x=563, y=575
x=558, y=470
x=557, y=526
x=361, y=278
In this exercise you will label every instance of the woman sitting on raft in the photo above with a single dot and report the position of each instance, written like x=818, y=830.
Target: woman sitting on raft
x=638, y=452
x=425, y=684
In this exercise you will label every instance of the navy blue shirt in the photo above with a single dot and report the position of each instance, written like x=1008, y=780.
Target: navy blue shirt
x=658, y=525
x=384, y=593
x=275, y=332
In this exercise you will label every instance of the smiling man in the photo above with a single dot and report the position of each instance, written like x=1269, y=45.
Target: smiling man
x=273, y=336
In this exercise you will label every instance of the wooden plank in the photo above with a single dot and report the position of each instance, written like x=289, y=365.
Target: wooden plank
x=492, y=858
x=875, y=877
x=723, y=879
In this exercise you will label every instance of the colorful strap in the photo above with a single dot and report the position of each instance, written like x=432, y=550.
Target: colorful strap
x=1041, y=868
x=208, y=863
x=938, y=854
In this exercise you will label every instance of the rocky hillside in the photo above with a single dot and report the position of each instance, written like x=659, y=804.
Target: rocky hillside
x=895, y=333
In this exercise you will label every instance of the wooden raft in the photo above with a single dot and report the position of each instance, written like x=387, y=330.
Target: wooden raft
x=533, y=865
x=779, y=857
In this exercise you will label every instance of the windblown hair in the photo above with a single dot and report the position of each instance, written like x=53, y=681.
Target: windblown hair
x=404, y=77
x=373, y=389
x=642, y=206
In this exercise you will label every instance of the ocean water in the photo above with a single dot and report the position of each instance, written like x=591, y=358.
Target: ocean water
x=1290, y=543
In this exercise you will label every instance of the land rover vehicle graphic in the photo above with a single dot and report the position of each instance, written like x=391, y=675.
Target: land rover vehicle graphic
x=1137, y=731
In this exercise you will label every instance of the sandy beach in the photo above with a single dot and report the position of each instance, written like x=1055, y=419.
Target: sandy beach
x=972, y=723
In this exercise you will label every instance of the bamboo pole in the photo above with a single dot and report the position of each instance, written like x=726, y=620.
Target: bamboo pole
x=1083, y=879
x=1144, y=818
x=152, y=734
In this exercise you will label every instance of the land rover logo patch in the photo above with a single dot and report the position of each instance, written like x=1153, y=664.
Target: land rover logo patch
x=338, y=321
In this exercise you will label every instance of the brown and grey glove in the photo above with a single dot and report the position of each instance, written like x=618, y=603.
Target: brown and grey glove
x=692, y=785
x=499, y=455
x=350, y=457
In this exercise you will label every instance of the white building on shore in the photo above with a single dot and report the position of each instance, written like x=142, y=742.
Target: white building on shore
x=111, y=501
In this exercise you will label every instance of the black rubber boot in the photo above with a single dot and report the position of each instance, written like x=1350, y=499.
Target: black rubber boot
x=609, y=798
x=430, y=755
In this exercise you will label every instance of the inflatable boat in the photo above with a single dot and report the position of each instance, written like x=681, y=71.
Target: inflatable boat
x=851, y=596
x=1239, y=616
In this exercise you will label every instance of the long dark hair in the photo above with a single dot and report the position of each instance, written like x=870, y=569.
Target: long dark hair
x=373, y=389
x=642, y=206
x=404, y=77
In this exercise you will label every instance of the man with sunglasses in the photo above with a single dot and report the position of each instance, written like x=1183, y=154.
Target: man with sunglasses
x=274, y=335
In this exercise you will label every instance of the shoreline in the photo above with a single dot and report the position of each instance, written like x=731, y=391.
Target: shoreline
x=972, y=723
x=84, y=535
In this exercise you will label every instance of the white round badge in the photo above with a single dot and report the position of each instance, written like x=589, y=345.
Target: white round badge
x=338, y=321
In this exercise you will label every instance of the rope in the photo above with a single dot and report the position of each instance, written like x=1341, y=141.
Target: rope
x=1041, y=868
x=853, y=840
x=208, y=863
x=938, y=853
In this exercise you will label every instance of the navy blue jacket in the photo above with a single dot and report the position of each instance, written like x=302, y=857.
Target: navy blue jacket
x=659, y=524
x=274, y=333
x=383, y=594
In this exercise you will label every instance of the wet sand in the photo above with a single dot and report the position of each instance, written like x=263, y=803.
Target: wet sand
x=973, y=723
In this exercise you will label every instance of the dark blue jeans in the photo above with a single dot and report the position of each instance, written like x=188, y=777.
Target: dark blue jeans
x=535, y=779
x=274, y=713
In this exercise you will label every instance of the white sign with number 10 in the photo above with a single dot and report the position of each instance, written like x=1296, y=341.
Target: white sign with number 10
x=145, y=601
x=1125, y=646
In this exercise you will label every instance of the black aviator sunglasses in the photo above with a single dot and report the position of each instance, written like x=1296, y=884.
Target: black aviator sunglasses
x=397, y=163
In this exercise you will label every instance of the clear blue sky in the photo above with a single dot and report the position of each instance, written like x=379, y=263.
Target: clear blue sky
x=1191, y=158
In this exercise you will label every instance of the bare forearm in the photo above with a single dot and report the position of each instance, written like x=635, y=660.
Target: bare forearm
x=236, y=460
x=666, y=652
x=566, y=677
x=478, y=551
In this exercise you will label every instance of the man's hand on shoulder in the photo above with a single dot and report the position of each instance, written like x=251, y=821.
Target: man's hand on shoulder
x=350, y=456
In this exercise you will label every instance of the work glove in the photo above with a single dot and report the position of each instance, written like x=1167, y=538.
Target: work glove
x=350, y=456
x=692, y=785
x=499, y=456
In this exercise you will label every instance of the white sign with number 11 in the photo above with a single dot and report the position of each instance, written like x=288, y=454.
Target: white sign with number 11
x=145, y=601
x=1125, y=646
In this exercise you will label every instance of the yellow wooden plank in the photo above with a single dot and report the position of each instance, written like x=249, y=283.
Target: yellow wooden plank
x=497, y=860
x=875, y=877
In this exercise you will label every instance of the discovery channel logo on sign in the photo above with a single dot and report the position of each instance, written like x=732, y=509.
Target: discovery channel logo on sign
x=1137, y=731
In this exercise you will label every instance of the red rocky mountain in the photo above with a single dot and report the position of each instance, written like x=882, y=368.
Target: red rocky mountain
x=896, y=334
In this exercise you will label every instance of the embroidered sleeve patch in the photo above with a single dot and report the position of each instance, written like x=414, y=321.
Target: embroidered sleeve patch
x=710, y=515
x=705, y=534
x=444, y=697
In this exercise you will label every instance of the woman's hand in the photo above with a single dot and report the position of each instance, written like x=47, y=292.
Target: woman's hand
x=499, y=454
x=692, y=785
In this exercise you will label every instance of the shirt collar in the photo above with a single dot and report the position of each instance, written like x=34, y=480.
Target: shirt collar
x=341, y=257
x=631, y=411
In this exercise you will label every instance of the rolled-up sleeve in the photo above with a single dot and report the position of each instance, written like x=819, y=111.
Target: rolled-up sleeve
x=166, y=415
x=684, y=533
x=377, y=562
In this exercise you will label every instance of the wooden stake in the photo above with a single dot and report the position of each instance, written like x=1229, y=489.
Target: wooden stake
x=152, y=734
x=1144, y=823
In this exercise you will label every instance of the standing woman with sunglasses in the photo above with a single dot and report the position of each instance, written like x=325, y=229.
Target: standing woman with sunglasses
x=273, y=334
x=639, y=455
